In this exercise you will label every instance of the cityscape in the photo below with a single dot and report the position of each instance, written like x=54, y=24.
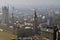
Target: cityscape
x=29, y=20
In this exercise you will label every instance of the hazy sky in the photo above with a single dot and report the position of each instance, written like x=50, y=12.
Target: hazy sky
x=23, y=3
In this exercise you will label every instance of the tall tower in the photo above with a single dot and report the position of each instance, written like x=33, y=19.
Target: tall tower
x=5, y=16
x=35, y=21
x=5, y=11
x=12, y=19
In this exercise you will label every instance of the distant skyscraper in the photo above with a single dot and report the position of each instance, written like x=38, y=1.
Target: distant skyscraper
x=35, y=21
x=48, y=22
x=5, y=16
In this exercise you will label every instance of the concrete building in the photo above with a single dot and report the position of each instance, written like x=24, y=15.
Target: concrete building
x=5, y=15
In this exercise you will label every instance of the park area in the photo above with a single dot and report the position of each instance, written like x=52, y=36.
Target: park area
x=6, y=36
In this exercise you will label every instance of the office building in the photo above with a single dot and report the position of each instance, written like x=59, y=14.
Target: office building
x=5, y=15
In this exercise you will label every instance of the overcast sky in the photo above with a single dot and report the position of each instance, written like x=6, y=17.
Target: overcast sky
x=24, y=3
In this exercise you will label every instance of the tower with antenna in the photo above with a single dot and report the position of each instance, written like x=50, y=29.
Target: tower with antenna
x=13, y=16
x=35, y=21
x=5, y=13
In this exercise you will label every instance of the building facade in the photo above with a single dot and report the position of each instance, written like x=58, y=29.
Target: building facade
x=5, y=15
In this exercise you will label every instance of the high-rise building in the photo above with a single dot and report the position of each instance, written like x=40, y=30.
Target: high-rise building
x=35, y=21
x=5, y=16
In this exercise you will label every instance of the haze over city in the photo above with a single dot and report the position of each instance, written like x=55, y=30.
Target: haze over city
x=30, y=3
x=23, y=5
